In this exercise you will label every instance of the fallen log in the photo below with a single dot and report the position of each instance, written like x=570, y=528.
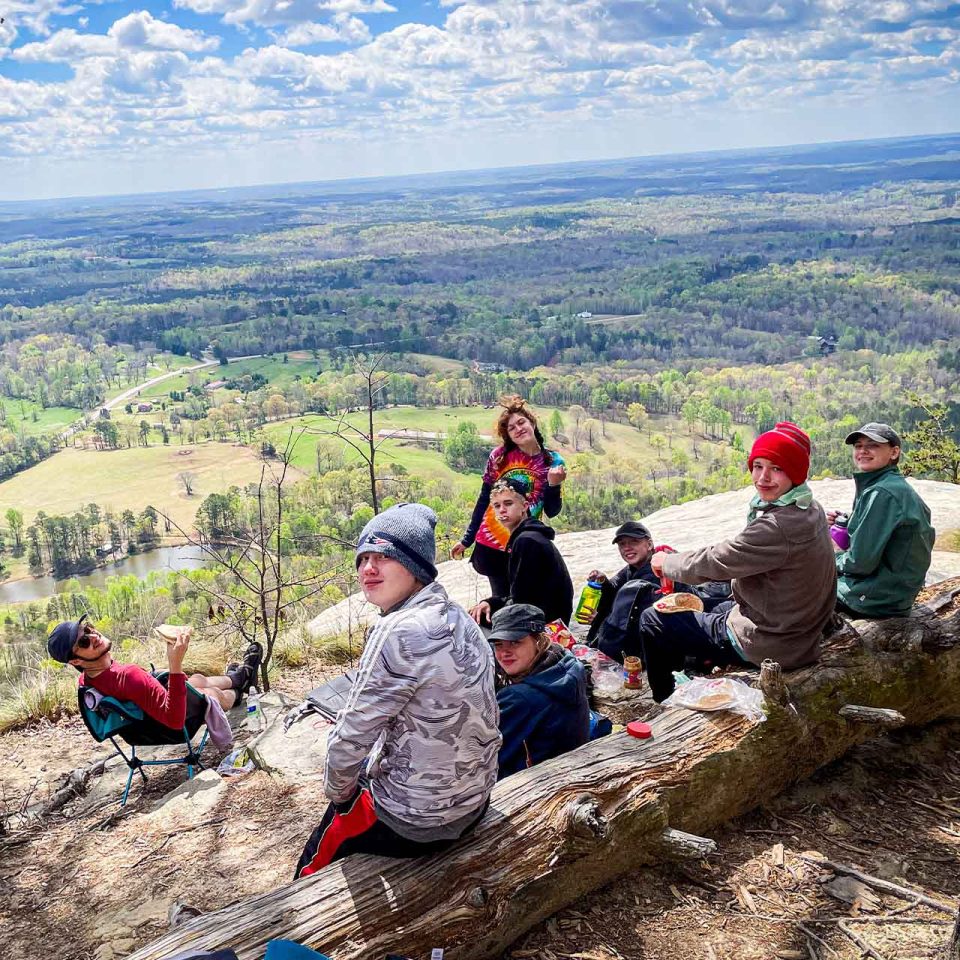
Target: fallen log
x=573, y=824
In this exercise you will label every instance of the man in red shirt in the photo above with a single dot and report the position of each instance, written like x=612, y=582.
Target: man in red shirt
x=80, y=644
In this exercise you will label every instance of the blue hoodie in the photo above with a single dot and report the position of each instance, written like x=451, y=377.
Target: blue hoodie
x=545, y=714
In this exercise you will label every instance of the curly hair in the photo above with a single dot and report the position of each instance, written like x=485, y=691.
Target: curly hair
x=516, y=404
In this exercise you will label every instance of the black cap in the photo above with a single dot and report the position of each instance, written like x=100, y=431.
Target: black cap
x=515, y=621
x=517, y=483
x=878, y=432
x=63, y=639
x=632, y=528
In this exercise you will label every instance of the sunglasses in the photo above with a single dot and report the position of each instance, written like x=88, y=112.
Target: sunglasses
x=85, y=640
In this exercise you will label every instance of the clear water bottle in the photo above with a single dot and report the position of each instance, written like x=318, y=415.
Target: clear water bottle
x=254, y=714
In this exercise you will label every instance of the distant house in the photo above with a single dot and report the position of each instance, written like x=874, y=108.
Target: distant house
x=215, y=385
x=584, y=315
x=144, y=406
x=480, y=367
x=827, y=345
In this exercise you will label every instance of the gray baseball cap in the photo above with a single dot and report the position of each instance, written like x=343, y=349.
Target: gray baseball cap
x=878, y=432
x=515, y=621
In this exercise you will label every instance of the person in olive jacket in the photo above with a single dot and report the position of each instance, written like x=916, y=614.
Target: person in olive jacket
x=783, y=578
x=891, y=538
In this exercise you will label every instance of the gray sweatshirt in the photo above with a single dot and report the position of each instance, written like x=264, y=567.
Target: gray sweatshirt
x=424, y=710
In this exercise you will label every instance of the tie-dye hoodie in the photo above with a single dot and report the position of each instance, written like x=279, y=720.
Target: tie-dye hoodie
x=484, y=527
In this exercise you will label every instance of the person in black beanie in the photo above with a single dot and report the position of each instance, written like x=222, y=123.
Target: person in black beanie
x=536, y=572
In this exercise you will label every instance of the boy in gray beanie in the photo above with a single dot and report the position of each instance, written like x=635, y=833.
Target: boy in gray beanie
x=412, y=757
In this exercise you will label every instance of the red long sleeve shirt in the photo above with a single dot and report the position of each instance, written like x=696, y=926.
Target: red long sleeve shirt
x=127, y=681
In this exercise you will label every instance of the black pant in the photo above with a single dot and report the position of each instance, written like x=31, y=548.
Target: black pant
x=665, y=640
x=357, y=829
x=492, y=564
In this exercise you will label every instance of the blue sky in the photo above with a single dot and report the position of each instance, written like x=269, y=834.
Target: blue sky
x=100, y=97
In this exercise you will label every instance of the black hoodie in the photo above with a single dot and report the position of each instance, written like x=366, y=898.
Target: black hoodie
x=536, y=572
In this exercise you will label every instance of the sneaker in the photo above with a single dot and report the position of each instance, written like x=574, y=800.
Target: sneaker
x=244, y=676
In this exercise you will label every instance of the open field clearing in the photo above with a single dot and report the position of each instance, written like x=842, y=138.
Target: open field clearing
x=621, y=439
x=19, y=417
x=273, y=368
x=129, y=479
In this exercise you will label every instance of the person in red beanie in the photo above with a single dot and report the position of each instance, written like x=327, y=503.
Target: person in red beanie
x=782, y=570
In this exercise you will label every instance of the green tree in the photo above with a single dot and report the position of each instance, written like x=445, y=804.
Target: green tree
x=637, y=415
x=465, y=450
x=933, y=442
x=15, y=523
x=556, y=424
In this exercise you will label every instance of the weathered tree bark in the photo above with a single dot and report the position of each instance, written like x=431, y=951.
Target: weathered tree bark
x=568, y=826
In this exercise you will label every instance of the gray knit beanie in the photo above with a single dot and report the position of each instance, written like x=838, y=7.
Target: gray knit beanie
x=405, y=533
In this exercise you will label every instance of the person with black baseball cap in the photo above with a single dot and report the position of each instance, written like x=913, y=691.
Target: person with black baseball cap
x=541, y=690
x=635, y=543
x=80, y=644
x=891, y=537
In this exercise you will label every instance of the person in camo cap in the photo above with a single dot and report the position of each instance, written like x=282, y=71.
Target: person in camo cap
x=412, y=757
x=891, y=538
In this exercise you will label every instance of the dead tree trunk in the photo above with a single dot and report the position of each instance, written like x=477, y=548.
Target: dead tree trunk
x=573, y=824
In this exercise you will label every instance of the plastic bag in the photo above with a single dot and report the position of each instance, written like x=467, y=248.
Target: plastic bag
x=718, y=693
x=607, y=674
x=236, y=763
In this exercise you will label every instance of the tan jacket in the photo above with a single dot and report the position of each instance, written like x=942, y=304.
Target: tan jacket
x=784, y=581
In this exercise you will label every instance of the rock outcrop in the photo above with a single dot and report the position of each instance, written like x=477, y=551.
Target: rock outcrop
x=685, y=526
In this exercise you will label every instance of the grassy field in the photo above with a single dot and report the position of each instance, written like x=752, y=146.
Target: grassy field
x=129, y=479
x=19, y=416
x=274, y=369
x=621, y=439
x=440, y=364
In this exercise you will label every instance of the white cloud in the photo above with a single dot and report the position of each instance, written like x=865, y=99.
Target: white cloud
x=136, y=31
x=273, y=13
x=141, y=31
x=35, y=15
x=66, y=46
x=504, y=67
x=344, y=28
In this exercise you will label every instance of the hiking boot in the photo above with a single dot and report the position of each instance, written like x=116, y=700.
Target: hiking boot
x=244, y=676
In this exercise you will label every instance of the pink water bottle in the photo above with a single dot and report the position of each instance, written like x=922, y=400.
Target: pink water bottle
x=839, y=532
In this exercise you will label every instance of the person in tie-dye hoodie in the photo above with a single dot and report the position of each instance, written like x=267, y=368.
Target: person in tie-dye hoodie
x=522, y=454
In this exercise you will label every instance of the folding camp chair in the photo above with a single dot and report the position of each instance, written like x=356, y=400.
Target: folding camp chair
x=111, y=718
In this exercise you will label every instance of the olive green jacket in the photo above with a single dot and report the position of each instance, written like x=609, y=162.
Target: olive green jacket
x=891, y=540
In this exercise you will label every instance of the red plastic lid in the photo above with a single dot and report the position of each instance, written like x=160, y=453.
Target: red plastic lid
x=642, y=731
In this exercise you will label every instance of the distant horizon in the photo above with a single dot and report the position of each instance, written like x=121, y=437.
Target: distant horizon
x=286, y=185
x=156, y=96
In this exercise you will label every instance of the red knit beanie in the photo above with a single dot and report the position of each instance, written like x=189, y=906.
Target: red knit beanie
x=788, y=447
